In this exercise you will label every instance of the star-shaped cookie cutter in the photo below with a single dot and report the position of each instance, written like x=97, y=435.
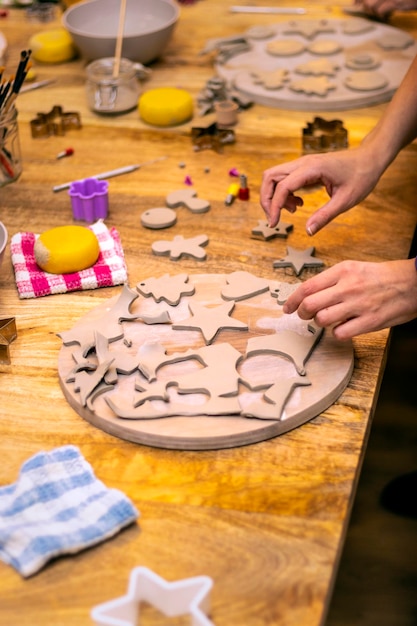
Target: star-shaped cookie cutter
x=8, y=334
x=190, y=596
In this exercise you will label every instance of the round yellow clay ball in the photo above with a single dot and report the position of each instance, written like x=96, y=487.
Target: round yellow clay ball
x=52, y=46
x=66, y=249
x=166, y=106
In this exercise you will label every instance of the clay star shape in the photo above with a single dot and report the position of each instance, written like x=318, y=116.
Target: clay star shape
x=189, y=596
x=210, y=320
x=280, y=230
x=299, y=259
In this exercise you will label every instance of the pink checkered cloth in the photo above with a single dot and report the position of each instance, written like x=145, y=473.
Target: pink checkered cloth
x=32, y=282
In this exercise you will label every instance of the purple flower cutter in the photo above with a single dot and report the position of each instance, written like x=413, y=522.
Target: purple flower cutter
x=89, y=199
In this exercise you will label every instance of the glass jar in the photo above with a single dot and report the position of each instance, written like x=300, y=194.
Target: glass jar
x=10, y=159
x=112, y=94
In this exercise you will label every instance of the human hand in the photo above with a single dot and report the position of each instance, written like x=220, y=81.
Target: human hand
x=354, y=297
x=383, y=8
x=348, y=177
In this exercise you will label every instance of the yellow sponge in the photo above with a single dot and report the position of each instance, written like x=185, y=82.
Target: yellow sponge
x=66, y=249
x=52, y=46
x=166, y=106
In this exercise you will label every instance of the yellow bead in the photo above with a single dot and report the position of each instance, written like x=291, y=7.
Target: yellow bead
x=166, y=106
x=52, y=46
x=66, y=249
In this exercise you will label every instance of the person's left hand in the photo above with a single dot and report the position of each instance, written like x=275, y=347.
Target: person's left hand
x=354, y=297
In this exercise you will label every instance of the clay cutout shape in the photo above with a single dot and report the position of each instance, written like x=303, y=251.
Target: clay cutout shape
x=317, y=85
x=159, y=217
x=110, y=323
x=318, y=67
x=325, y=47
x=122, y=362
x=180, y=246
x=395, y=41
x=242, y=285
x=166, y=287
x=260, y=32
x=363, y=61
x=212, y=407
x=101, y=389
x=187, y=197
x=276, y=398
x=283, y=292
x=274, y=79
x=210, y=321
x=218, y=379
x=288, y=344
x=190, y=596
x=357, y=27
x=153, y=356
x=285, y=47
x=266, y=232
x=150, y=391
x=86, y=383
x=308, y=28
x=366, y=81
x=299, y=259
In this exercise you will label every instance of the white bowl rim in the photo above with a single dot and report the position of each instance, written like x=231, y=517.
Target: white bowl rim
x=6, y=235
x=84, y=33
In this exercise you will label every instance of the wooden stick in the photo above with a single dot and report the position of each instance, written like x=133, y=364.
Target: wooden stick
x=119, y=40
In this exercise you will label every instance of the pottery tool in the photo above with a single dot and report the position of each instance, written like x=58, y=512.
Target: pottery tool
x=119, y=39
x=37, y=85
x=277, y=10
x=111, y=173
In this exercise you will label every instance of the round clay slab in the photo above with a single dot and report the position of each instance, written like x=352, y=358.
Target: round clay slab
x=285, y=48
x=325, y=47
x=160, y=217
x=328, y=369
x=365, y=81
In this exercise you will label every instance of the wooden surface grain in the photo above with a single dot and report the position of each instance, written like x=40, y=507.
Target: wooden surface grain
x=265, y=521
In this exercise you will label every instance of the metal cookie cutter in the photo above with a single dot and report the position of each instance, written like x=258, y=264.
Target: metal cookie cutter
x=8, y=334
x=56, y=122
x=89, y=199
x=324, y=136
x=183, y=597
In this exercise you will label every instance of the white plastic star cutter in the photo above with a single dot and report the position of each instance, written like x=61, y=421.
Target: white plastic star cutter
x=190, y=596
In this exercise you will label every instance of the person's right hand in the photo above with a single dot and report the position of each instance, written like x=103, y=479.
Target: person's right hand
x=382, y=9
x=348, y=176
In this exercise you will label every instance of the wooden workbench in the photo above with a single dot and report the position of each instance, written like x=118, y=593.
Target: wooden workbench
x=267, y=521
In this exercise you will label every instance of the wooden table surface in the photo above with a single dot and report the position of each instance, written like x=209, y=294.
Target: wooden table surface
x=267, y=521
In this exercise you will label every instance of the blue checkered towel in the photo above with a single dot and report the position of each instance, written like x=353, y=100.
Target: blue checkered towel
x=57, y=506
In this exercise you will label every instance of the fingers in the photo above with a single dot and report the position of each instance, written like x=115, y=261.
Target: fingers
x=279, y=184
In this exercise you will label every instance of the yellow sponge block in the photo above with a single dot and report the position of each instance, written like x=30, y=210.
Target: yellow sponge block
x=166, y=106
x=52, y=46
x=66, y=249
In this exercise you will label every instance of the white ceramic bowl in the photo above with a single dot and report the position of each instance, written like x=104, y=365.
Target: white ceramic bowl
x=3, y=241
x=149, y=24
